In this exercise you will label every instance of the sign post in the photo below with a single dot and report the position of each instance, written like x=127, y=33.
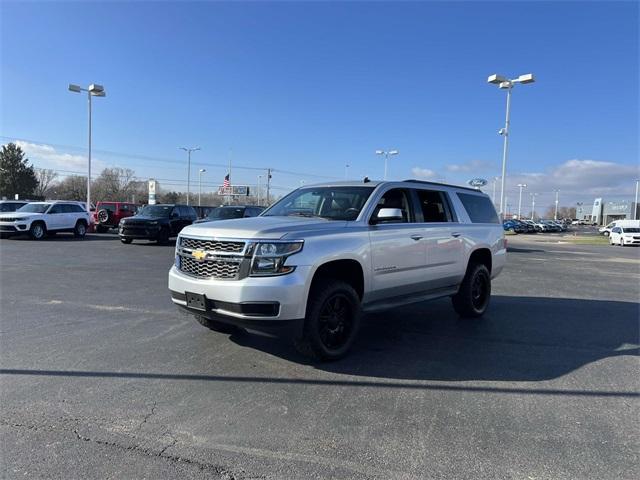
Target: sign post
x=152, y=192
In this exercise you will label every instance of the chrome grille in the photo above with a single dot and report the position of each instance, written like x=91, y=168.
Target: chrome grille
x=209, y=268
x=212, y=245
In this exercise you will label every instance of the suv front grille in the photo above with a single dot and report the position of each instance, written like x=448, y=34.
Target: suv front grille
x=209, y=268
x=212, y=245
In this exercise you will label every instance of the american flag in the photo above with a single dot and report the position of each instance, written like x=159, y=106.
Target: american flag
x=227, y=182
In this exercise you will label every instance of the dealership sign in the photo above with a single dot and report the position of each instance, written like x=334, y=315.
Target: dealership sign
x=477, y=182
x=152, y=192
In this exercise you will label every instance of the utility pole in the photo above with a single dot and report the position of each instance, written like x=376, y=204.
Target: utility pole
x=268, y=184
x=555, y=216
x=533, y=206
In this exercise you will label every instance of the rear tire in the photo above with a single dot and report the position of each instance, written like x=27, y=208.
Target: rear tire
x=80, y=229
x=126, y=240
x=37, y=231
x=217, y=326
x=472, y=299
x=332, y=321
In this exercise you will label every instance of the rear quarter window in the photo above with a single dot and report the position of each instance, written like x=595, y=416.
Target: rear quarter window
x=479, y=208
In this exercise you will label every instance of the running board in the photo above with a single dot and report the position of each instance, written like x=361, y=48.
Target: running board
x=393, y=302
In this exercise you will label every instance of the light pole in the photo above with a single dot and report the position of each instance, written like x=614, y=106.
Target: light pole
x=189, y=150
x=555, y=215
x=386, y=158
x=533, y=206
x=200, y=172
x=493, y=196
x=507, y=84
x=521, y=186
x=635, y=207
x=259, y=193
x=94, y=90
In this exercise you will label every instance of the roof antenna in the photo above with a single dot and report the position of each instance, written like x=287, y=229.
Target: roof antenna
x=366, y=180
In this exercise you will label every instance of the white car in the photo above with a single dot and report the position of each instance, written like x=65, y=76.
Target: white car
x=625, y=235
x=38, y=219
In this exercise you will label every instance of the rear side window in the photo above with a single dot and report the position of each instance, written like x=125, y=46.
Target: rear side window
x=479, y=208
x=433, y=206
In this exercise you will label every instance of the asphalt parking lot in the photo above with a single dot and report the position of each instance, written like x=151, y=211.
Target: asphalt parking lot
x=101, y=376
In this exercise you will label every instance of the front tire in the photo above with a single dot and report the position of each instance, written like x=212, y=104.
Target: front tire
x=332, y=321
x=37, y=231
x=163, y=237
x=472, y=299
x=126, y=240
x=80, y=230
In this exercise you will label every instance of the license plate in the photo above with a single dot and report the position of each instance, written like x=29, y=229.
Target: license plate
x=196, y=301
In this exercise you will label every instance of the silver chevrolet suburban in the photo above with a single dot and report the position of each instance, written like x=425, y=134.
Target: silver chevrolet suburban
x=321, y=256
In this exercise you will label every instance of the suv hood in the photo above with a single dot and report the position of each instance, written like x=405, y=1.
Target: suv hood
x=18, y=215
x=271, y=228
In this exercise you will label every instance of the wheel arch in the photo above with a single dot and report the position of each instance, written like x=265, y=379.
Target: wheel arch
x=349, y=270
x=483, y=256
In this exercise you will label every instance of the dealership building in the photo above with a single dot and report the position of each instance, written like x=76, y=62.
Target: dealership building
x=603, y=212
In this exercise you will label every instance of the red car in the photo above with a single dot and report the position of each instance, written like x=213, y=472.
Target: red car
x=108, y=214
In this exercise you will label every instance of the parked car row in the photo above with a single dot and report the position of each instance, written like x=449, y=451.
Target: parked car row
x=534, y=226
x=151, y=222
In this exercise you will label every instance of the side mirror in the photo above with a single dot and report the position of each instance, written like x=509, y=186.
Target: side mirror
x=387, y=215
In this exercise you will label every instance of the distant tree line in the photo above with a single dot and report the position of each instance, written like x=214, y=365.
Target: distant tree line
x=112, y=184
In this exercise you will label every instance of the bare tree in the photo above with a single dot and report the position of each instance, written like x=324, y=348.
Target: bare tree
x=45, y=178
x=114, y=184
x=70, y=188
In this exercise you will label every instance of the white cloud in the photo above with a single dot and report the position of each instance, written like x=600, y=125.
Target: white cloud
x=474, y=166
x=46, y=156
x=581, y=177
x=423, y=173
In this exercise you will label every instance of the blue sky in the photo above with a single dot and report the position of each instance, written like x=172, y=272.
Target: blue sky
x=309, y=87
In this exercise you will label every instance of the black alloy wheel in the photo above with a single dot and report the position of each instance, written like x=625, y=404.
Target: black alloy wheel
x=474, y=294
x=332, y=320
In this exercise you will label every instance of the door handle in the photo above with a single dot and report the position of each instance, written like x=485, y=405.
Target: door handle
x=455, y=234
x=416, y=237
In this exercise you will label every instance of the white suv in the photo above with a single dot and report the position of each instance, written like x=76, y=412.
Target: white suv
x=325, y=253
x=39, y=219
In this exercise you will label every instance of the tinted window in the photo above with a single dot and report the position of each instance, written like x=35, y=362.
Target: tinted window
x=107, y=206
x=156, y=210
x=190, y=212
x=397, y=198
x=35, y=207
x=433, y=205
x=57, y=208
x=479, y=208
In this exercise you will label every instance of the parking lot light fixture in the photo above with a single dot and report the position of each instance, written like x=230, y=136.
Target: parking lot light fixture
x=189, y=150
x=94, y=90
x=520, y=186
x=507, y=84
x=533, y=205
x=635, y=206
x=386, y=154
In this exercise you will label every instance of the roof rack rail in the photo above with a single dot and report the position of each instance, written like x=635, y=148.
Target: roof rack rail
x=426, y=182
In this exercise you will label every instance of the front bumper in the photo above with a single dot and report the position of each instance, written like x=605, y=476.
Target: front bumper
x=139, y=232
x=8, y=228
x=237, y=301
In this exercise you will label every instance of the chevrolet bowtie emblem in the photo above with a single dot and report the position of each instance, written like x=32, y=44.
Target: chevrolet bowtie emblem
x=199, y=255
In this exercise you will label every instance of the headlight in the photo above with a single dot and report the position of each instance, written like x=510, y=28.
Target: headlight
x=269, y=258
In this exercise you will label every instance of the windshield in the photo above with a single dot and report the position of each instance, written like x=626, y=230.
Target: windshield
x=332, y=203
x=631, y=230
x=34, y=207
x=221, y=213
x=156, y=211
